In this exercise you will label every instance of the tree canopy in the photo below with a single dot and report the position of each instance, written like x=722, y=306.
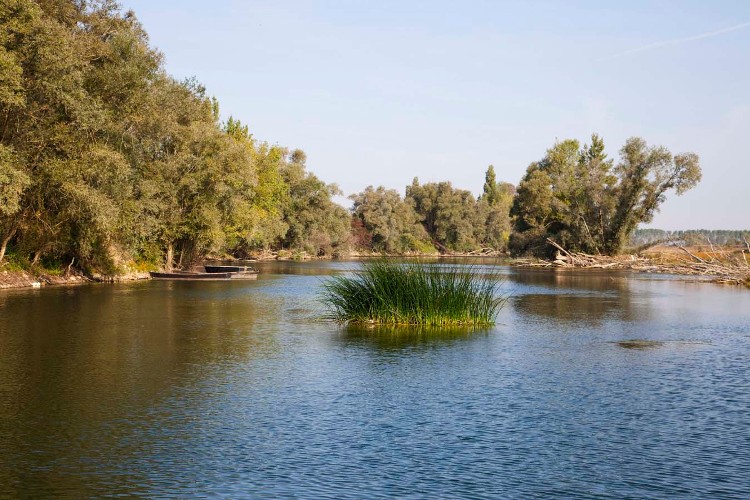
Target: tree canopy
x=584, y=201
x=392, y=224
x=105, y=157
x=435, y=215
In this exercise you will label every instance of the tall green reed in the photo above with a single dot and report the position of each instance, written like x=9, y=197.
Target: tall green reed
x=390, y=293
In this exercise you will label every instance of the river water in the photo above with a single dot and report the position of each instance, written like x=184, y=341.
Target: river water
x=591, y=385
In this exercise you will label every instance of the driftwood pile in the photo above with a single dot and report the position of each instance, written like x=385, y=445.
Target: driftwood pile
x=724, y=268
x=564, y=258
x=721, y=267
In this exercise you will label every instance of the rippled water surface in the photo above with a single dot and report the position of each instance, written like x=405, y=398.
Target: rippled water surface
x=592, y=385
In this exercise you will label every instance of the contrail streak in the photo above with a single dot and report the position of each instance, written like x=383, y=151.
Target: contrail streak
x=678, y=41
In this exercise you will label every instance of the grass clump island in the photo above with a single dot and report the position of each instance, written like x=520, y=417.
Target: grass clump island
x=389, y=293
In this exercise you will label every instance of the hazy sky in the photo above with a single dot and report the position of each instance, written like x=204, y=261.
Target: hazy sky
x=377, y=92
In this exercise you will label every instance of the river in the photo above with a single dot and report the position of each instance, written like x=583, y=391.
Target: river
x=591, y=385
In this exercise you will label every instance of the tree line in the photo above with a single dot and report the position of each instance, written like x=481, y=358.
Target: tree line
x=433, y=217
x=575, y=196
x=724, y=237
x=106, y=159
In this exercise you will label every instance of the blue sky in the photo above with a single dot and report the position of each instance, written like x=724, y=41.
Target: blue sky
x=378, y=92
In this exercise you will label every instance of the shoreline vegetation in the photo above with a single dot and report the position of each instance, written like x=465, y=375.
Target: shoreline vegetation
x=710, y=263
x=110, y=168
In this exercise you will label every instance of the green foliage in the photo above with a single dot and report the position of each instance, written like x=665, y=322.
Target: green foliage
x=448, y=214
x=104, y=157
x=315, y=222
x=15, y=262
x=579, y=198
x=433, y=216
x=392, y=224
x=413, y=294
x=456, y=221
x=645, y=175
x=13, y=182
x=491, y=190
x=494, y=205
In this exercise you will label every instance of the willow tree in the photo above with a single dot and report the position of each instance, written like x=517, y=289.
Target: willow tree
x=391, y=222
x=449, y=215
x=315, y=223
x=645, y=175
x=60, y=115
x=584, y=201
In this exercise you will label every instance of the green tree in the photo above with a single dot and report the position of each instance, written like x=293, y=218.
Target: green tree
x=316, y=224
x=494, y=204
x=449, y=215
x=392, y=223
x=577, y=197
x=645, y=174
x=491, y=190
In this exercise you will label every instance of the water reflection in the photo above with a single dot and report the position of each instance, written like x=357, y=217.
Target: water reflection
x=93, y=360
x=327, y=268
x=302, y=268
x=384, y=337
x=562, y=280
x=587, y=299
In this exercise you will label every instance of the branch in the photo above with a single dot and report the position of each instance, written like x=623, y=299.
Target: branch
x=573, y=260
x=713, y=251
x=690, y=254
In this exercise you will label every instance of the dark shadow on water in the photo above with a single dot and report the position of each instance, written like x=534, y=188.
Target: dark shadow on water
x=406, y=337
x=639, y=344
x=645, y=344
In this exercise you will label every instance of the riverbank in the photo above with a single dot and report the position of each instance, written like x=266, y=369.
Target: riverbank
x=26, y=279
x=30, y=279
x=658, y=260
x=285, y=255
x=718, y=266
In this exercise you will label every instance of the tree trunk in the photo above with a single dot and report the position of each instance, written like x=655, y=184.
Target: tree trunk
x=182, y=254
x=37, y=256
x=4, y=246
x=6, y=240
x=170, y=257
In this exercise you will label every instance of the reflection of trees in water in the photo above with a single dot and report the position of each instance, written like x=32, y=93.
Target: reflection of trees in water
x=272, y=269
x=397, y=338
x=588, y=280
x=74, y=360
x=324, y=268
x=584, y=296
